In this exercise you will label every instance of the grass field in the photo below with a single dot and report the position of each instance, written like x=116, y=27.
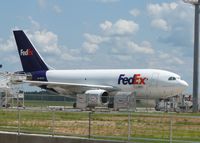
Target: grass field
x=104, y=125
x=40, y=103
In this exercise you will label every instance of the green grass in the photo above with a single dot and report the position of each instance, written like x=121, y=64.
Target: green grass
x=40, y=103
x=104, y=125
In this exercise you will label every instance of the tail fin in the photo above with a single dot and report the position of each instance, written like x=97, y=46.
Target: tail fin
x=30, y=58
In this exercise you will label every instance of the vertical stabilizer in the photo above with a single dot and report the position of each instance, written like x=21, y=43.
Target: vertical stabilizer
x=30, y=58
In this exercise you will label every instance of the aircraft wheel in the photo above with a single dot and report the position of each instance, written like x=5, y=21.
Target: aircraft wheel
x=111, y=105
x=74, y=105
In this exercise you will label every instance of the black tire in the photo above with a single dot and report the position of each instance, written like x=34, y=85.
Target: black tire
x=74, y=105
x=157, y=108
x=111, y=105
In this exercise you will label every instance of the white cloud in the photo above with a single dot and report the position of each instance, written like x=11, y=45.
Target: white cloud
x=170, y=58
x=92, y=42
x=159, y=9
x=34, y=23
x=48, y=41
x=117, y=39
x=57, y=9
x=46, y=5
x=47, y=44
x=95, y=39
x=161, y=12
x=69, y=57
x=8, y=52
x=11, y=59
x=173, y=17
x=144, y=48
x=7, y=45
x=121, y=27
x=135, y=12
x=42, y=3
x=177, y=60
x=107, y=1
x=146, y=44
x=90, y=48
x=124, y=57
x=160, y=24
x=106, y=25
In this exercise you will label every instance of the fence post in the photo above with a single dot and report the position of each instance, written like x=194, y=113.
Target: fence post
x=129, y=126
x=171, y=129
x=19, y=121
x=53, y=122
x=89, y=125
x=129, y=118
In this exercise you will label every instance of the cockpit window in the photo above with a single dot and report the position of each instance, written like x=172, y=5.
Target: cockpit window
x=171, y=78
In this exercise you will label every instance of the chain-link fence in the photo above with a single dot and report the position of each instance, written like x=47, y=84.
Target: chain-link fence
x=127, y=126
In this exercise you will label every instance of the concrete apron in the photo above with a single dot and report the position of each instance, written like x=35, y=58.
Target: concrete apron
x=7, y=137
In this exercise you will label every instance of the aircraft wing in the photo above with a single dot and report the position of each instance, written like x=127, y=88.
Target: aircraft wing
x=71, y=87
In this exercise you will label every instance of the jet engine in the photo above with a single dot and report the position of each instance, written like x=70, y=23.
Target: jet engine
x=96, y=97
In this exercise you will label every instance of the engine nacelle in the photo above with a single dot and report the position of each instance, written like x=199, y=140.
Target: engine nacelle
x=96, y=97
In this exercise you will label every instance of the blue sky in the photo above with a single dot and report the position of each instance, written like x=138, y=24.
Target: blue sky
x=86, y=34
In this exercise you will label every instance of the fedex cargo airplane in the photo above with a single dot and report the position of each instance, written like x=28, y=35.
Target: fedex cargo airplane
x=102, y=83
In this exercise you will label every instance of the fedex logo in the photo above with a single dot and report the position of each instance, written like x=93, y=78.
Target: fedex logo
x=135, y=80
x=28, y=52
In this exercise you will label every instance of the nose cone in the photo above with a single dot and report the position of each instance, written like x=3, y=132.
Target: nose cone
x=184, y=84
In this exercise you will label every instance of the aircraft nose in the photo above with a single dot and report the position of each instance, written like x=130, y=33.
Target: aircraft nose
x=184, y=84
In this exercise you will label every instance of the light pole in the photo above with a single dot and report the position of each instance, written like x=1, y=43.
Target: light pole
x=196, y=3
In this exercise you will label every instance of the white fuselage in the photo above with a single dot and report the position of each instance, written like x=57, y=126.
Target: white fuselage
x=143, y=82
